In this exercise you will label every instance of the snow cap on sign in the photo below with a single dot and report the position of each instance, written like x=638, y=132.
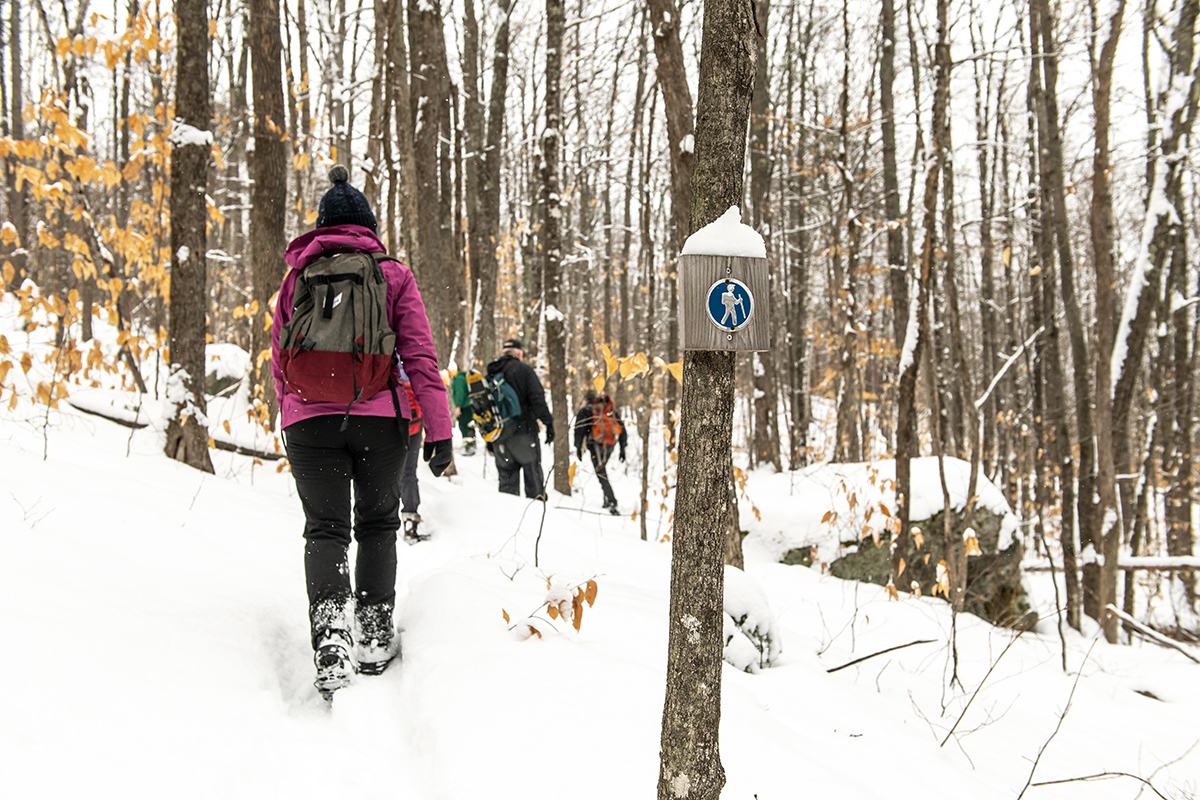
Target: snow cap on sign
x=726, y=237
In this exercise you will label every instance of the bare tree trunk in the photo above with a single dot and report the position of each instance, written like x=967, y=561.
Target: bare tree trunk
x=556, y=335
x=690, y=761
x=187, y=432
x=268, y=190
x=677, y=103
x=896, y=264
x=1102, y=252
x=1095, y=595
x=437, y=270
x=18, y=212
x=647, y=253
x=766, y=398
x=625, y=336
x=1057, y=446
x=484, y=236
x=798, y=264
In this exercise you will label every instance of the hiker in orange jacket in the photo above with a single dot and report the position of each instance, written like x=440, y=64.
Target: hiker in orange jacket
x=598, y=425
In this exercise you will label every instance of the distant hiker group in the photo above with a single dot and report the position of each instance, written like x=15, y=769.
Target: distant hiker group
x=359, y=391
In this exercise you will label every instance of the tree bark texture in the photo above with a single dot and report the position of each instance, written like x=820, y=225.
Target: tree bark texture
x=485, y=232
x=556, y=337
x=187, y=431
x=268, y=188
x=690, y=761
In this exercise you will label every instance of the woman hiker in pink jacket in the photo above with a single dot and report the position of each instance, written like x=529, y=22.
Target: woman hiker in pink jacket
x=334, y=446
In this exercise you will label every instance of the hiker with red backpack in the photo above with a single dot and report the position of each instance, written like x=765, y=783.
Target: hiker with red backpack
x=347, y=316
x=597, y=424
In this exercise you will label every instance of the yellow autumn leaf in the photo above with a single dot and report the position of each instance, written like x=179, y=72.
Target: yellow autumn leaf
x=26, y=362
x=300, y=161
x=598, y=382
x=571, y=473
x=225, y=425
x=5, y=349
x=676, y=370
x=900, y=569
x=610, y=363
x=310, y=217
x=505, y=613
x=552, y=611
x=943, y=580
x=891, y=592
x=590, y=595
x=577, y=611
x=916, y=589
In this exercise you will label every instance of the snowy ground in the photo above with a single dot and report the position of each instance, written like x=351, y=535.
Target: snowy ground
x=156, y=646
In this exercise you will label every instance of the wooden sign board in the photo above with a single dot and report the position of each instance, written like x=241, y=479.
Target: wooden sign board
x=724, y=303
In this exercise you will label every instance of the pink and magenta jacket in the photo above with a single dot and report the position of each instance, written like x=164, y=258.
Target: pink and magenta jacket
x=406, y=315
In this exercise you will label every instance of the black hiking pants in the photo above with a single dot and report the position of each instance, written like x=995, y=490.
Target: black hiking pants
x=600, y=455
x=327, y=463
x=521, y=454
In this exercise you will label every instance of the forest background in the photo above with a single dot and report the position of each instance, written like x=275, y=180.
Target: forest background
x=979, y=219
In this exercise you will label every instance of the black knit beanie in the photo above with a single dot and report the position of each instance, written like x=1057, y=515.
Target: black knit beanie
x=343, y=204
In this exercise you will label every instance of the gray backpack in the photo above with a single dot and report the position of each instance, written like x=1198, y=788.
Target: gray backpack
x=338, y=346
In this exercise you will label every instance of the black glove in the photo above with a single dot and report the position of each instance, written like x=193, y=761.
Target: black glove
x=439, y=455
x=549, y=432
x=622, y=455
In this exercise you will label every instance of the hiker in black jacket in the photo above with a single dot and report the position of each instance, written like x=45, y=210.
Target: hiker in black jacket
x=521, y=452
x=600, y=438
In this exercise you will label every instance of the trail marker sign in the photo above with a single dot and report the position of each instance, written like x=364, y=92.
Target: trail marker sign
x=725, y=303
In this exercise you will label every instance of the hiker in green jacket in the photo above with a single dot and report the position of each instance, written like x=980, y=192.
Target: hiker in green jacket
x=461, y=409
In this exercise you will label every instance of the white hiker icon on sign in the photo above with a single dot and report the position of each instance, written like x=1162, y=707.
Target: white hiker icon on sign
x=730, y=304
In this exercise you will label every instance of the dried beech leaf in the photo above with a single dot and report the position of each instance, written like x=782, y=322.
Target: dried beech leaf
x=592, y=589
x=577, y=611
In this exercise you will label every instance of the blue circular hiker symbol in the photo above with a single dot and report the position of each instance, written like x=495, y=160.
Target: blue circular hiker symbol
x=730, y=304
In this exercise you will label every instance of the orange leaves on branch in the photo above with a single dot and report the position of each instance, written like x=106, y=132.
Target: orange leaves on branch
x=564, y=603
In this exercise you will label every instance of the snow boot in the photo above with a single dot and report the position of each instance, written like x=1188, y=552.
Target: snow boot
x=378, y=642
x=333, y=662
x=412, y=527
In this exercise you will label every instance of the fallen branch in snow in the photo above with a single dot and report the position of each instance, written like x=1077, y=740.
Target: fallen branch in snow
x=1061, y=718
x=246, y=451
x=1103, y=776
x=1148, y=632
x=974, y=694
x=881, y=652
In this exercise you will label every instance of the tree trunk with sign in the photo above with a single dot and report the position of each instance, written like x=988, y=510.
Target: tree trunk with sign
x=690, y=761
